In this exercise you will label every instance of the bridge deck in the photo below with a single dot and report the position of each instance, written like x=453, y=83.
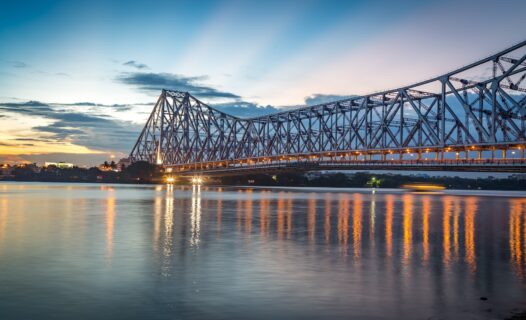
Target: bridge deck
x=472, y=165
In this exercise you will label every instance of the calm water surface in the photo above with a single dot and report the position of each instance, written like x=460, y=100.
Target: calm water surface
x=74, y=251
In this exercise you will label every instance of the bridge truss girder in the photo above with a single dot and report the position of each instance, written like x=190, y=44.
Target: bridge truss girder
x=450, y=111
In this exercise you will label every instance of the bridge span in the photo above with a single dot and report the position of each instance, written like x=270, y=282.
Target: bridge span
x=469, y=119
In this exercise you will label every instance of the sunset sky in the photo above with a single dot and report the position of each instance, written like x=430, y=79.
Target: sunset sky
x=79, y=78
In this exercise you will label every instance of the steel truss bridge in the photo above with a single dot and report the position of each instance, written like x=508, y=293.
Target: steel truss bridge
x=473, y=119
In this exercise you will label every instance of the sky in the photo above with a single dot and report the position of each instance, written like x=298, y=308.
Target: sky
x=79, y=78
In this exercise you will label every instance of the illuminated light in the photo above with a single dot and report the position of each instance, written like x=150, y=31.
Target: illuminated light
x=423, y=187
x=168, y=169
x=197, y=180
x=513, y=152
x=170, y=179
x=159, y=161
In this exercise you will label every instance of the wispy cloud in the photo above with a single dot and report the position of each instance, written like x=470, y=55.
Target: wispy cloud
x=135, y=64
x=19, y=64
x=158, y=81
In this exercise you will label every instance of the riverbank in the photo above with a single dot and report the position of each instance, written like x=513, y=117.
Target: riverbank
x=317, y=180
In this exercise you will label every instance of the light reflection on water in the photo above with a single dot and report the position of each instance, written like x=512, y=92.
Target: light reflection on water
x=164, y=252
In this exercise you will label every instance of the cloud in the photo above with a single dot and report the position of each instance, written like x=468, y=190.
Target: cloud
x=244, y=109
x=135, y=64
x=115, y=107
x=158, y=81
x=317, y=98
x=19, y=64
x=78, y=159
x=97, y=132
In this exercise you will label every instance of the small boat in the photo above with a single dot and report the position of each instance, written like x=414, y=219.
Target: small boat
x=423, y=187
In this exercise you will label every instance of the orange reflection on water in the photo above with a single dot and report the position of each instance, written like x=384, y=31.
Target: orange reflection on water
x=289, y=216
x=219, y=211
x=516, y=213
x=408, y=226
x=3, y=221
x=328, y=204
x=264, y=219
x=343, y=222
x=448, y=204
x=456, y=217
x=239, y=209
x=426, y=209
x=248, y=212
x=469, y=232
x=311, y=216
x=280, y=214
x=357, y=224
x=110, y=222
x=156, y=221
x=389, y=208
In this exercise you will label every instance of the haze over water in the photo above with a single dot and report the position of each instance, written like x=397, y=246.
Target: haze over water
x=87, y=251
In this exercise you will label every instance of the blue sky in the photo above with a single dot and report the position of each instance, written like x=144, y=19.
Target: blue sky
x=90, y=63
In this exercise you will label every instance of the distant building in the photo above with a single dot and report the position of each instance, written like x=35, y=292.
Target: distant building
x=123, y=163
x=5, y=170
x=60, y=165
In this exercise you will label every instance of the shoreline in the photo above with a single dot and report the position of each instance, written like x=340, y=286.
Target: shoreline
x=452, y=191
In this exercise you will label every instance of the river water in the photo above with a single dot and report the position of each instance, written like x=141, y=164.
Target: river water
x=88, y=251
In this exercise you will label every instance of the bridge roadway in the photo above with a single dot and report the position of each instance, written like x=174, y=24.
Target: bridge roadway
x=253, y=167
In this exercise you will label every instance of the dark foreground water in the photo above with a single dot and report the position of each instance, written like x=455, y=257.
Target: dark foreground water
x=73, y=251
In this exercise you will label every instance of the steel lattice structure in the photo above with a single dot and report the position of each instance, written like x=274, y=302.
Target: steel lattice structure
x=478, y=107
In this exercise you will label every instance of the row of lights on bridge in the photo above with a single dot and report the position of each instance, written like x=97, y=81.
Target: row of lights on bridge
x=390, y=152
